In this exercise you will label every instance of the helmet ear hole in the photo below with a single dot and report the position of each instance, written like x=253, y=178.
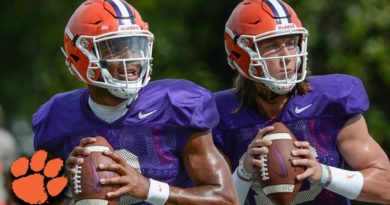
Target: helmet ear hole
x=74, y=57
x=256, y=70
x=236, y=55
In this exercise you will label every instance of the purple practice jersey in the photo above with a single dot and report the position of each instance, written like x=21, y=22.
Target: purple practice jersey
x=316, y=117
x=150, y=136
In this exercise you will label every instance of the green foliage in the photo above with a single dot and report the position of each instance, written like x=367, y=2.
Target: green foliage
x=348, y=36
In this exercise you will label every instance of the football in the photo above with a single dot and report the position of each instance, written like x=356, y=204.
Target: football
x=86, y=187
x=277, y=175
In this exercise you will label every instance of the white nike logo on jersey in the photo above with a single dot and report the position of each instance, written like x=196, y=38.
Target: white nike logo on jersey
x=299, y=110
x=144, y=115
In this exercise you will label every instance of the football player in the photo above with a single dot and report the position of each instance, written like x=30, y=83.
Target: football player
x=266, y=43
x=160, y=130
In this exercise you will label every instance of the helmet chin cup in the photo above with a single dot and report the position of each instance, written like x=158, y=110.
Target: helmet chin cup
x=124, y=93
x=279, y=88
x=128, y=89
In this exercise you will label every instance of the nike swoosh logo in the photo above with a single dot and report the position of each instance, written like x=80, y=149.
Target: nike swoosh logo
x=282, y=173
x=144, y=115
x=299, y=110
x=350, y=176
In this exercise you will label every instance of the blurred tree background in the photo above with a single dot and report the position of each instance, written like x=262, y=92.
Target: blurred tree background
x=348, y=36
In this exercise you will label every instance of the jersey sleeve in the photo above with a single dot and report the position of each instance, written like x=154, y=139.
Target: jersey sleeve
x=336, y=95
x=204, y=115
x=190, y=106
x=347, y=97
x=53, y=120
x=358, y=101
x=45, y=135
x=187, y=107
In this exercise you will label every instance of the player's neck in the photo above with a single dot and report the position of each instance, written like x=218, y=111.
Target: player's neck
x=272, y=108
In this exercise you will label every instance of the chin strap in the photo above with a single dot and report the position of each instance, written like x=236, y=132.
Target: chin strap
x=279, y=89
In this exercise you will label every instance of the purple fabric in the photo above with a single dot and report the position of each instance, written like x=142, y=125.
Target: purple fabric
x=179, y=108
x=316, y=117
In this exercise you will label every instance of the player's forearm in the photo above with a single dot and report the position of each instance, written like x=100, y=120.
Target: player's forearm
x=376, y=186
x=370, y=185
x=205, y=195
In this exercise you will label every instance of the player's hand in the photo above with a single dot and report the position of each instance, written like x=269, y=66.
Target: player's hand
x=257, y=147
x=76, y=157
x=313, y=168
x=130, y=180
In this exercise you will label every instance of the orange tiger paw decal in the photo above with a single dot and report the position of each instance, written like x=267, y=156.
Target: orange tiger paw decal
x=31, y=188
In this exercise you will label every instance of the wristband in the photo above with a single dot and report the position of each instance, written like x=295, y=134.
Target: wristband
x=346, y=183
x=243, y=174
x=242, y=187
x=325, y=175
x=241, y=171
x=158, y=192
x=90, y=201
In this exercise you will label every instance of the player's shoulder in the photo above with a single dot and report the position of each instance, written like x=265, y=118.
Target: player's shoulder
x=232, y=113
x=65, y=102
x=331, y=82
x=176, y=84
x=331, y=95
x=177, y=103
x=176, y=90
x=335, y=87
x=226, y=94
x=227, y=100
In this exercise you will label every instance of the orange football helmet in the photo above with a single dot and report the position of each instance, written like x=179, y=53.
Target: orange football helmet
x=96, y=33
x=253, y=21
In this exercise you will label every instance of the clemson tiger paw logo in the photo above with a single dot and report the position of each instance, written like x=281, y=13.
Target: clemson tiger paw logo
x=31, y=188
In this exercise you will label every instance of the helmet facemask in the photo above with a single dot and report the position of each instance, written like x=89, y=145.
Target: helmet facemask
x=119, y=61
x=259, y=64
